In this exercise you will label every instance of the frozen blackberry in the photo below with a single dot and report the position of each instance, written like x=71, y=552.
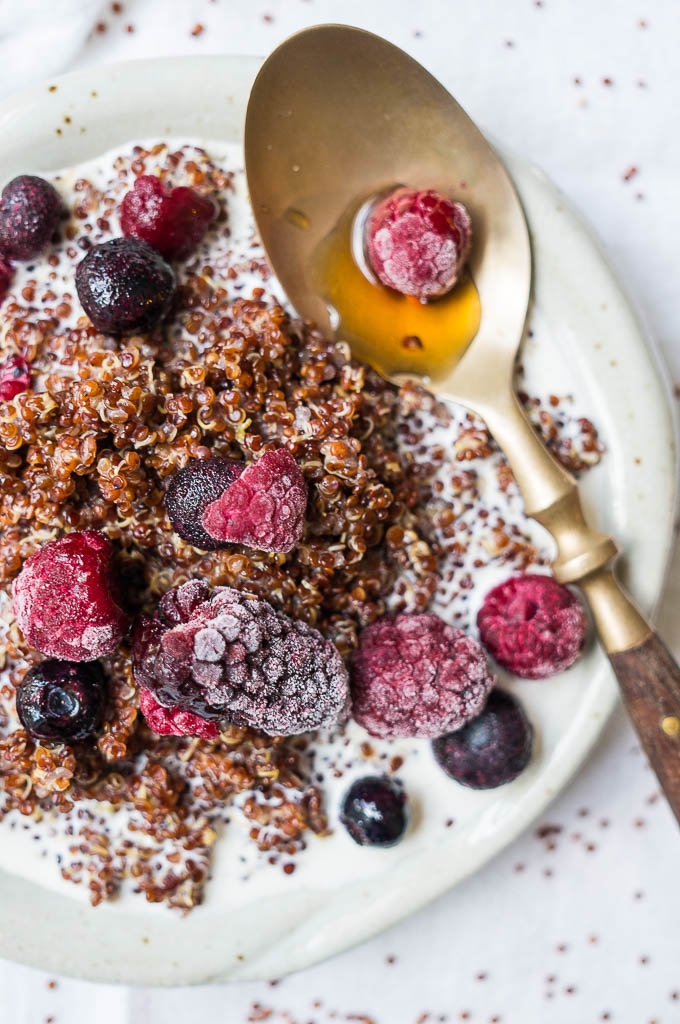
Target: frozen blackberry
x=533, y=626
x=29, y=214
x=62, y=700
x=226, y=656
x=124, y=286
x=492, y=749
x=172, y=220
x=415, y=675
x=192, y=490
x=375, y=811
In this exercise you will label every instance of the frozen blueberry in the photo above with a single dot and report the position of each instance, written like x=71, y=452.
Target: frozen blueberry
x=192, y=490
x=492, y=749
x=375, y=811
x=124, y=286
x=62, y=700
x=29, y=214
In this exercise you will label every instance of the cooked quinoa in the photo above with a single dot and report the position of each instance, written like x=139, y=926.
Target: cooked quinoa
x=94, y=443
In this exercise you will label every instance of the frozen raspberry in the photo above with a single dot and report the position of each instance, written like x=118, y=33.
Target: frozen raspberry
x=62, y=700
x=375, y=811
x=173, y=220
x=491, y=750
x=29, y=214
x=65, y=601
x=6, y=275
x=418, y=242
x=264, y=509
x=532, y=626
x=414, y=675
x=14, y=378
x=124, y=286
x=173, y=721
x=192, y=490
x=225, y=656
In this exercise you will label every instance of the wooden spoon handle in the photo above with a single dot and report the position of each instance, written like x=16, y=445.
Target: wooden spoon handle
x=648, y=676
x=650, y=685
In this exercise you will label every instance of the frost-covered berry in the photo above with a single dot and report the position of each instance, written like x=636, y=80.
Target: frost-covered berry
x=62, y=700
x=492, y=749
x=6, y=275
x=414, y=675
x=418, y=242
x=29, y=214
x=173, y=721
x=375, y=812
x=264, y=509
x=192, y=490
x=532, y=626
x=226, y=656
x=65, y=598
x=124, y=286
x=172, y=220
x=15, y=378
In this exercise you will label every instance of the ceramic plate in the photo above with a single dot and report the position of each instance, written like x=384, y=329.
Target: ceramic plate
x=586, y=339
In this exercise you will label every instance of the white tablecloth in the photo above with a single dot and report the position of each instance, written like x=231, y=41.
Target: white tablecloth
x=579, y=921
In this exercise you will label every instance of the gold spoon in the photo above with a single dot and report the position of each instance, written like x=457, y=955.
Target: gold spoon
x=335, y=116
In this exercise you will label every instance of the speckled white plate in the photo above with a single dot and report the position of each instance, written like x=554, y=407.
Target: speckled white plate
x=586, y=340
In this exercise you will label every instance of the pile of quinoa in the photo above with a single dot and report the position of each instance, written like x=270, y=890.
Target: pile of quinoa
x=94, y=443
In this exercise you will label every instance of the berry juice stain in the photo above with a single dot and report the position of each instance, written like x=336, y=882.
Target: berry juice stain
x=397, y=334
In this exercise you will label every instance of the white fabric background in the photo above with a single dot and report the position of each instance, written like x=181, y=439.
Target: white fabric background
x=582, y=925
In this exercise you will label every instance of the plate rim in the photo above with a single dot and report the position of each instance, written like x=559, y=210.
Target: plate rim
x=106, y=971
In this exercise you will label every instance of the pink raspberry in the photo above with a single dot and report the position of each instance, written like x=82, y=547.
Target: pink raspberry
x=65, y=599
x=173, y=221
x=414, y=675
x=264, y=508
x=174, y=721
x=15, y=377
x=533, y=626
x=418, y=242
x=6, y=275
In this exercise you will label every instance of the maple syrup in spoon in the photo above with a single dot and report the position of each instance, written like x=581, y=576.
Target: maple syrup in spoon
x=398, y=334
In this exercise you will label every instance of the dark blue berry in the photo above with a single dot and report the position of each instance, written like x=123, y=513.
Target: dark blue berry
x=29, y=214
x=492, y=749
x=191, y=490
x=62, y=700
x=124, y=286
x=375, y=812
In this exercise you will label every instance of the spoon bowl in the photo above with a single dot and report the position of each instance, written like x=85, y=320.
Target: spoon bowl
x=336, y=116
